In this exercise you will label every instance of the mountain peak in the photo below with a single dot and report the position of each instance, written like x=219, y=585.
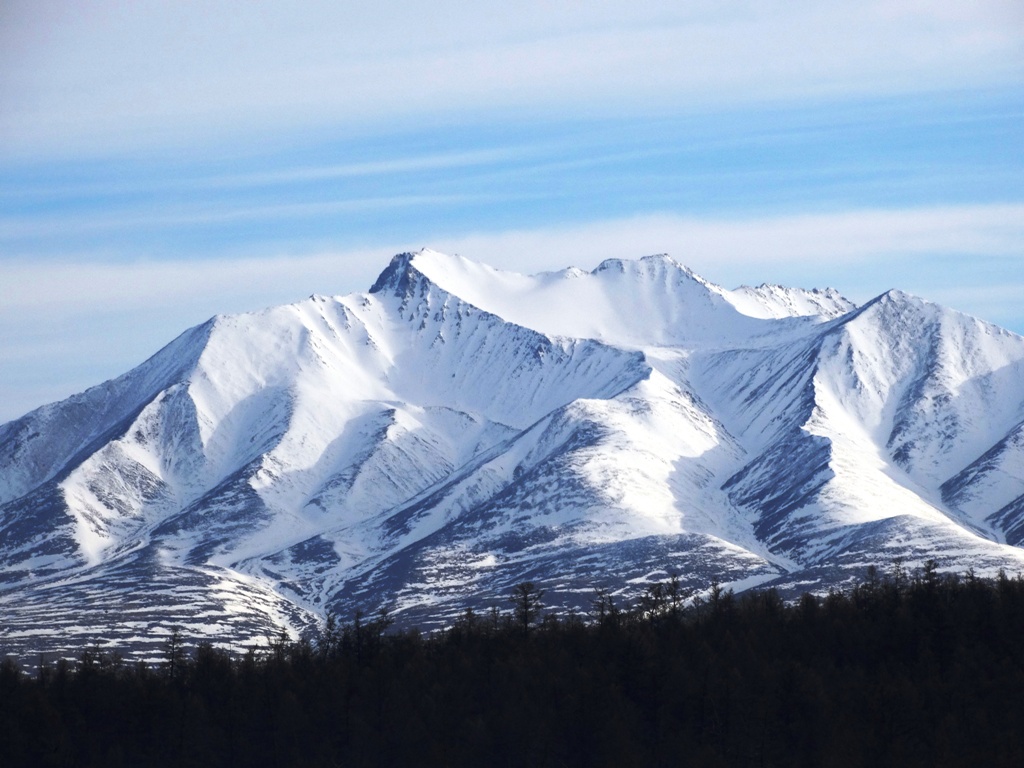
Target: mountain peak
x=898, y=307
x=395, y=278
x=896, y=296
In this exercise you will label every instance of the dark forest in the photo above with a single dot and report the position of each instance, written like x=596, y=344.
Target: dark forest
x=920, y=669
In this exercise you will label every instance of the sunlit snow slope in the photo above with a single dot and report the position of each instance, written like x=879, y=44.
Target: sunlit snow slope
x=458, y=429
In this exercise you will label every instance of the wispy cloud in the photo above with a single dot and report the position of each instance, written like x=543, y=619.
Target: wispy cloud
x=729, y=243
x=720, y=248
x=113, y=74
x=63, y=289
x=80, y=223
x=276, y=177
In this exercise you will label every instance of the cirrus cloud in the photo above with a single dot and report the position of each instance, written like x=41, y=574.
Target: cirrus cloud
x=114, y=75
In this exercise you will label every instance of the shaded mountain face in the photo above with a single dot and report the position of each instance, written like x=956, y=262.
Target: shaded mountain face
x=457, y=430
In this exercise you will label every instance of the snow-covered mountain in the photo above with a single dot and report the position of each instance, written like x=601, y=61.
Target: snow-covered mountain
x=460, y=429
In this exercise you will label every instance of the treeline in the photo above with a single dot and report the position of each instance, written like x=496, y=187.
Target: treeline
x=903, y=670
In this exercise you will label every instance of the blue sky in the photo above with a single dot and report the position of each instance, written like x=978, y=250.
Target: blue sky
x=161, y=162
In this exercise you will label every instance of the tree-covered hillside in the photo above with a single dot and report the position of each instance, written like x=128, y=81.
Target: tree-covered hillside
x=903, y=670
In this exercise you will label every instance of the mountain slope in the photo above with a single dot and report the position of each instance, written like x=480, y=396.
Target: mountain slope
x=458, y=429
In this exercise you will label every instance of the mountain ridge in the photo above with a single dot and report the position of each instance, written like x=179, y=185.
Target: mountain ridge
x=457, y=429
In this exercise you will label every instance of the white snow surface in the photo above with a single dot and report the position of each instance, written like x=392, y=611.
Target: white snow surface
x=650, y=302
x=460, y=428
